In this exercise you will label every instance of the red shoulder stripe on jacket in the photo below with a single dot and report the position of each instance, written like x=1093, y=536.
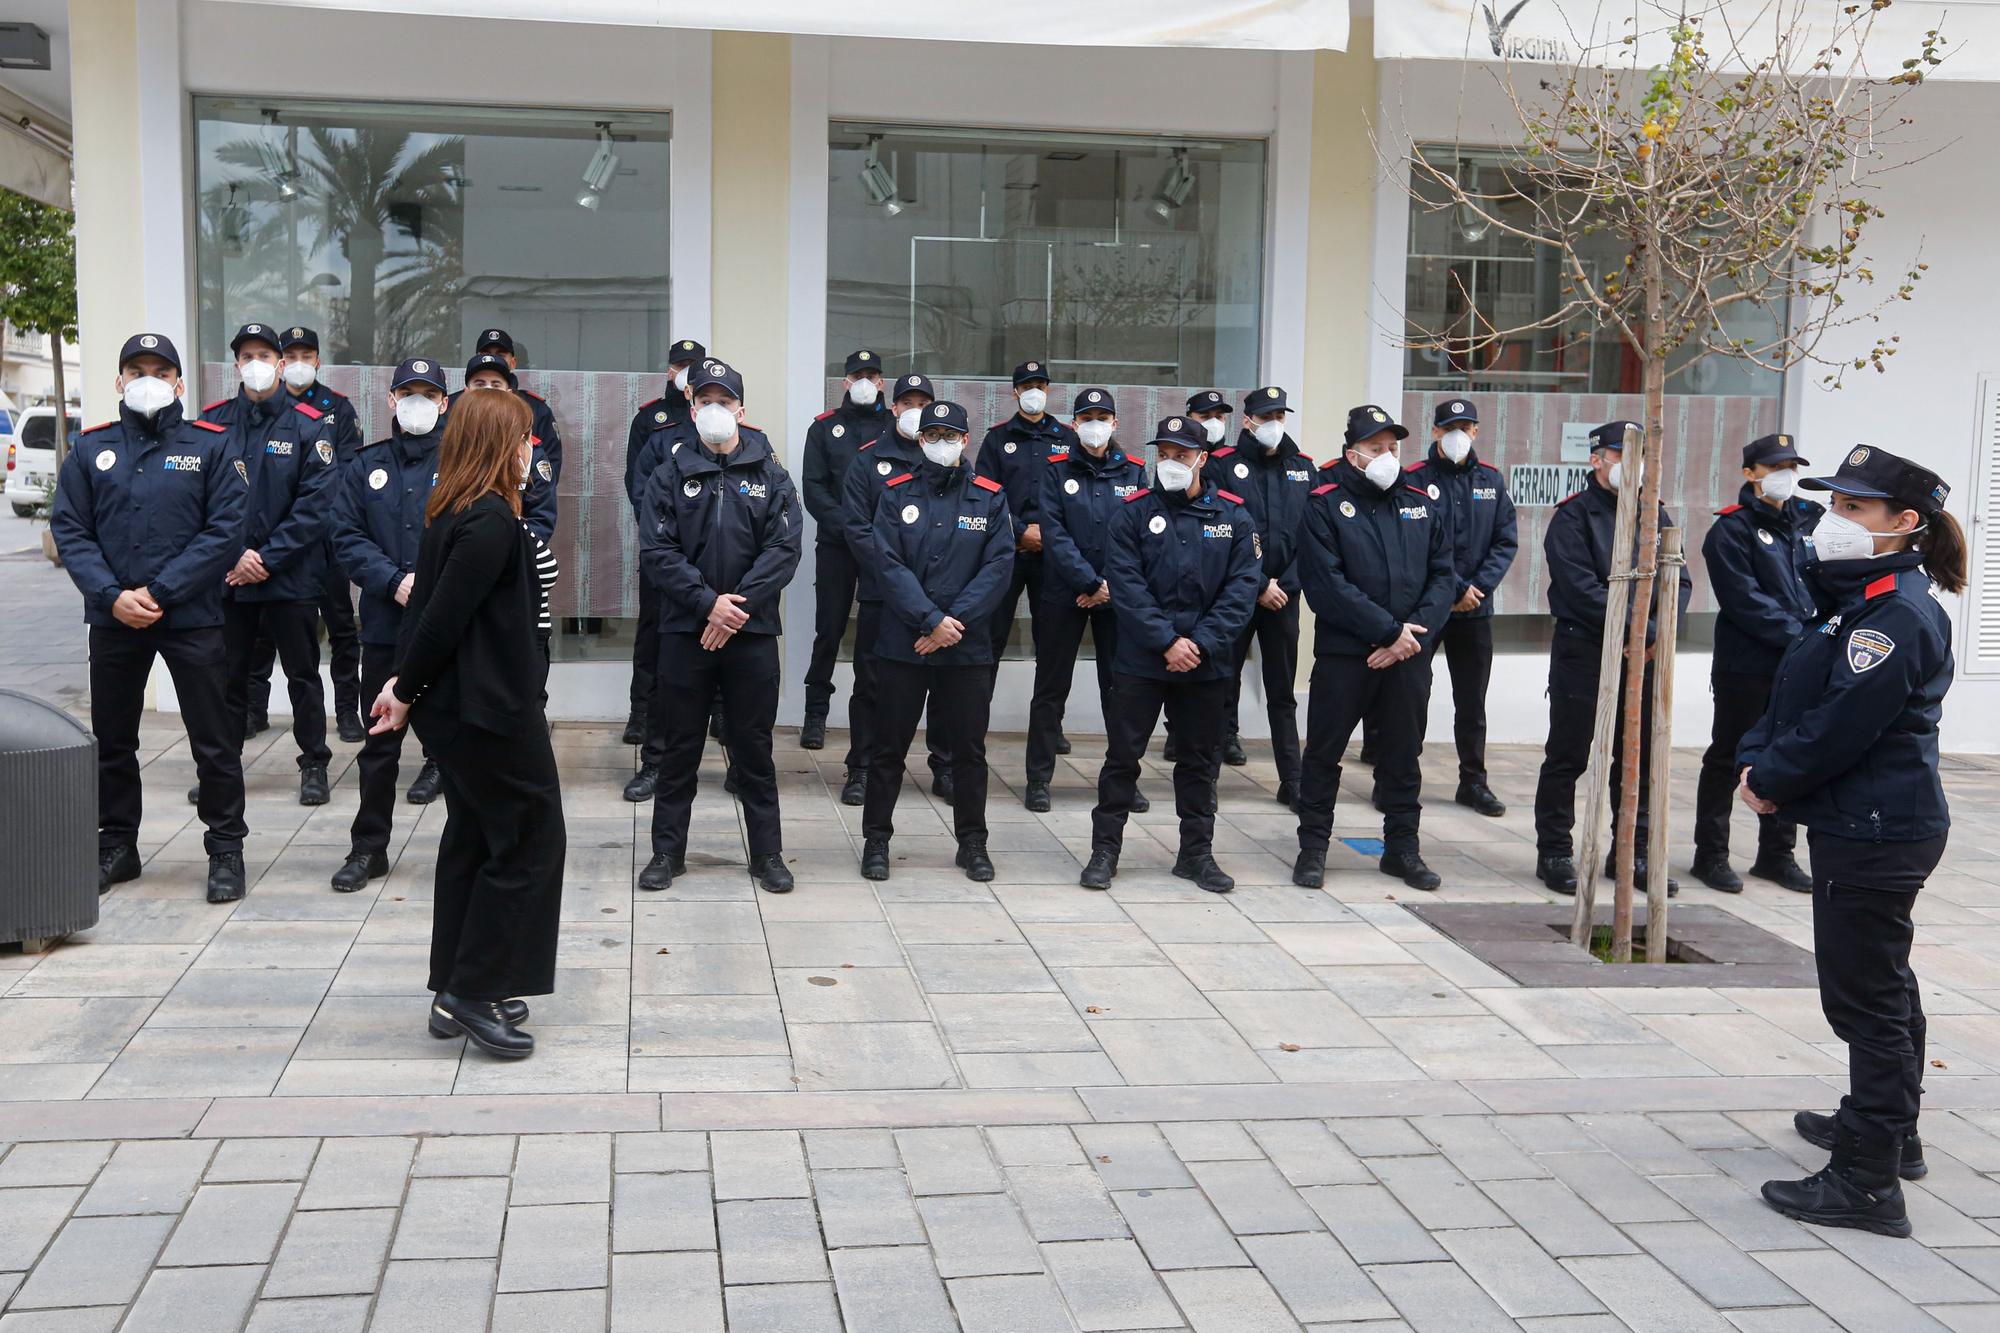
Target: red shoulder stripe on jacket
x=653, y=402
x=210, y=407
x=1138, y=494
x=866, y=447
x=1567, y=498
x=99, y=426
x=1330, y=486
x=1418, y=490
x=210, y=425
x=1879, y=588
x=1062, y=457
x=1224, y=451
x=309, y=410
x=1490, y=467
x=535, y=441
x=1727, y=509
x=985, y=483
x=899, y=479
x=1233, y=499
x=824, y=415
x=1417, y=466
x=532, y=394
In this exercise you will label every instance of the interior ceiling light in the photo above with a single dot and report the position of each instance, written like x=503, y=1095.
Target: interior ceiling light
x=1174, y=189
x=603, y=166
x=285, y=175
x=876, y=180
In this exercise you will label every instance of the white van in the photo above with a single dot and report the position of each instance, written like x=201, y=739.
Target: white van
x=31, y=458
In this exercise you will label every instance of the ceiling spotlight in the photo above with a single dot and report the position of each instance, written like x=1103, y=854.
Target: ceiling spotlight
x=603, y=166
x=1174, y=189
x=876, y=180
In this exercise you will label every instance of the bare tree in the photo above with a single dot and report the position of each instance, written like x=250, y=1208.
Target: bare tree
x=1730, y=187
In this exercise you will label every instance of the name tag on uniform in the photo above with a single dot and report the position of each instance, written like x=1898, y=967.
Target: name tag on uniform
x=182, y=462
x=1218, y=529
x=1297, y=476
x=972, y=522
x=756, y=490
x=281, y=448
x=1414, y=511
x=1485, y=492
x=1124, y=490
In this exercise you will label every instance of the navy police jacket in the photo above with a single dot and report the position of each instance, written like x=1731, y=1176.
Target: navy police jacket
x=151, y=504
x=1484, y=536
x=1578, y=547
x=658, y=446
x=1849, y=744
x=832, y=444
x=286, y=445
x=861, y=490
x=1372, y=561
x=542, y=427
x=1756, y=557
x=378, y=522
x=538, y=493
x=1080, y=496
x=1013, y=453
x=944, y=542
x=338, y=409
x=1182, y=567
x=1275, y=485
x=670, y=409
x=720, y=523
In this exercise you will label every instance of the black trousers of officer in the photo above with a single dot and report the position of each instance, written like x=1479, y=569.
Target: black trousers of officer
x=1740, y=700
x=343, y=644
x=1345, y=689
x=1028, y=579
x=1197, y=711
x=1861, y=942
x=1276, y=634
x=498, y=905
x=746, y=669
x=645, y=649
x=1057, y=639
x=294, y=628
x=959, y=699
x=1466, y=644
x=380, y=755
x=121, y=658
x=1572, y=718
x=833, y=598
x=861, y=703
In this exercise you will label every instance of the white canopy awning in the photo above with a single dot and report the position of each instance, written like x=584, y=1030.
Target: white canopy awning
x=1283, y=25
x=1568, y=32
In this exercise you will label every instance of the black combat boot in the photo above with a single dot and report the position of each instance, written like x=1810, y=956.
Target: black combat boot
x=1309, y=870
x=1819, y=1131
x=1037, y=798
x=1410, y=868
x=660, y=871
x=771, y=873
x=972, y=858
x=1781, y=869
x=225, y=877
x=1712, y=869
x=425, y=789
x=115, y=865
x=1479, y=797
x=1103, y=868
x=1558, y=872
x=1205, y=873
x=812, y=736
x=1858, y=1188
x=358, y=869
x=643, y=784
x=875, y=858
x=854, y=790
x=313, y=785
x=635, y=728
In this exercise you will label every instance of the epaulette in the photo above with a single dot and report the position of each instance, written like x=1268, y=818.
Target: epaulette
x=1419, y=490
x=210, y=407
x=210, y=425
x=1138, y=494
x=1330, y=486
x=986, y=483
x=1567, y=498
x=653, y=403
x=99, y=426
x=313, y=412
x=899, y=479
x=534, y=441
x=1224, y=451
x=866, y=447
x=532, y=394
x=1880, y=587
x=824, y=415
x=1062, y=457
x=1417, y=466
x=1225, y=495
x=1728, y=509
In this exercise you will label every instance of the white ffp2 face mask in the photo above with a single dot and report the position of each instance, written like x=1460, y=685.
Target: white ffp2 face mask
x=416, y=414
x=1034, y=401
x=1382, y=471
x=863, y=393
x=1456, y=444
x=681, y=379
x=300, y=374
x=714, y=423
x=1838, y=537
x=1780, y=486
x=1173, y=476
x=147, y=394
x=907, y=422
x=1270, y=434
x=945, y=453
x=1214, y=428
x=1094, y=434
x=257, y=376
x=1615, y=479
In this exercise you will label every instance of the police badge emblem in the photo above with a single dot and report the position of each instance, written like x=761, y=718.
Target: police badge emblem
x=839, y=431
x=241, y=471
x=660, y=418
x=1071, y=487
x=324, y=450
x=909, y=513
x=107, y=459
x=1858, y=457
x=1243, y=470
x=1347, y=509
x=1764, y=536
x=1868, y=649
x=1010, y=447
x=378, y=479
x=1158, y=524
x=883, y=467
x=543, y=470
x=1433, y=491
x=691, y=489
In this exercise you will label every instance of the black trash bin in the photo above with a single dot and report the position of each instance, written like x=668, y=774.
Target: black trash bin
x=48, y=822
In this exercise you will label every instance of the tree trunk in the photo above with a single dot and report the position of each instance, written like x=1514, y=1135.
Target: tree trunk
x=1659, y=772
x=62, y=399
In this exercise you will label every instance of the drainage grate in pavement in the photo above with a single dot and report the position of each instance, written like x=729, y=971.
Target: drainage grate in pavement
x=1530, y=943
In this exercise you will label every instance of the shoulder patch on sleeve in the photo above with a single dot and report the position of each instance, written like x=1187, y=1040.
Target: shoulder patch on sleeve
x=1727, y=509
x=1139, y=494
x=824, y=415
x=1059, y=456
x=105, y=425
x=899, y=479
x=1226, y=495
x=1868, y=648
x=985, y=483
x=210, y=407
x=311, y=412
x=1330, y=486
x=210, y=425
x=1879, y=588
x=532, y=394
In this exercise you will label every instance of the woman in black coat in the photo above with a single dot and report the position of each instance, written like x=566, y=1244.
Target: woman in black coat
x=469, y=676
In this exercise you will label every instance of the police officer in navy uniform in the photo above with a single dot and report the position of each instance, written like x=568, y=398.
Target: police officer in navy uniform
x=1266, y=466
x=1849, y=748
x=300, y=350
x=1578, y=549
x=1013, y=454
x=538, y=489
x=1756, y=553
x=1212, y=410
x=1376, y=564
x=1184, y=563
x=894, y=452
x=1484, y=541
x=669, y=409
x=377, y=529
x=944, y=546
x=146, y=517
x=832, y=443
x=1082, y=489
x=274, y=587
x=720, y=541
x=670, y=432
x=498, y=342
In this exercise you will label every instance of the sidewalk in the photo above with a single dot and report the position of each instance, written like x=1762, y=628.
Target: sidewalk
x=929, y=1104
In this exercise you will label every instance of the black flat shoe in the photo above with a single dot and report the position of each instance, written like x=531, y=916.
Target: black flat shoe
x=515, y=1012
x=313, y=785
x=854, y=791
x=635, y=730
x=643, y=784
x=358, y=869
x=1309, y=870
x=1037, y=798
x=348, y=723
x=1205, y=873
x=812, y=736
x=1062, y=743
x=660, y=871
x=1478, y=797
x=972, y=858
x=1410, y=868
x=1784, y=872
x=1714, y=871
x=225, y=877
x=483, y=1022
x=1102, y=869
x=425, y=789
x=1639, y=875
x=115, y=865
x=1820, y=1130
x=1140, y=805
x=1232, y=752
x=875, y=859
x=771, y=874
x=1559, y=873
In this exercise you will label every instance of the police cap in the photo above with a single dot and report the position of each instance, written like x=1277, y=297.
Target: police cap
x=499, y=338
x=1028, y=372
x=1769, y=449
x=299, y=336
x=1092, y=400
x=1208, y=400
x=1262, y=402
x=1367, y=420
x=950, y=416
x=709, y=371
x=1454, y=410
x=1870, y=473
x=858, y=362
x=253, y=333
x=488, y=361
x=685, y=352
x=149, y=344
x=1611, y=435
x=1184, y=431
x=417, y=370
x=914, y=383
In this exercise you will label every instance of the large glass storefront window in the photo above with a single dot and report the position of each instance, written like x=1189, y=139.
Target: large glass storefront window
x=1539, y=394
x=401, y=230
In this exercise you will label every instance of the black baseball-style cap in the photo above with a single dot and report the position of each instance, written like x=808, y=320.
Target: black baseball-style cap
x=1030, y=371
x=914, y=383
x=685, y=352
x=150, y=344
x=299, y=336
x=948, y=415
x=1454, y=410
x=254, y=333
x=1092, y=400
x=1769, y=449
x=1367, y=420
x=499, y=338
x=417, y=370
x=1208, y=400
x=1870, y=473
x=1262, y=402
x=1611, y=435
x=488, y=361
x=858, y=362
x=710, y=371
x=1184, y=431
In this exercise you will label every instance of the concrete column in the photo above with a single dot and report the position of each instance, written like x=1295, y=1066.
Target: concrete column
x=1340, y=239
x=751, y=234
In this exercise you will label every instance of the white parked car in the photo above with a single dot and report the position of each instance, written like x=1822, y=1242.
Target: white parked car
x=31, y=458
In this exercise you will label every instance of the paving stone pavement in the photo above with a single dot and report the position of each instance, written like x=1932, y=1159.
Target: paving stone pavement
x=930, y=1104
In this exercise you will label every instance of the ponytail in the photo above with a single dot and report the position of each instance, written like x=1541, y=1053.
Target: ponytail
x=1943, y=547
